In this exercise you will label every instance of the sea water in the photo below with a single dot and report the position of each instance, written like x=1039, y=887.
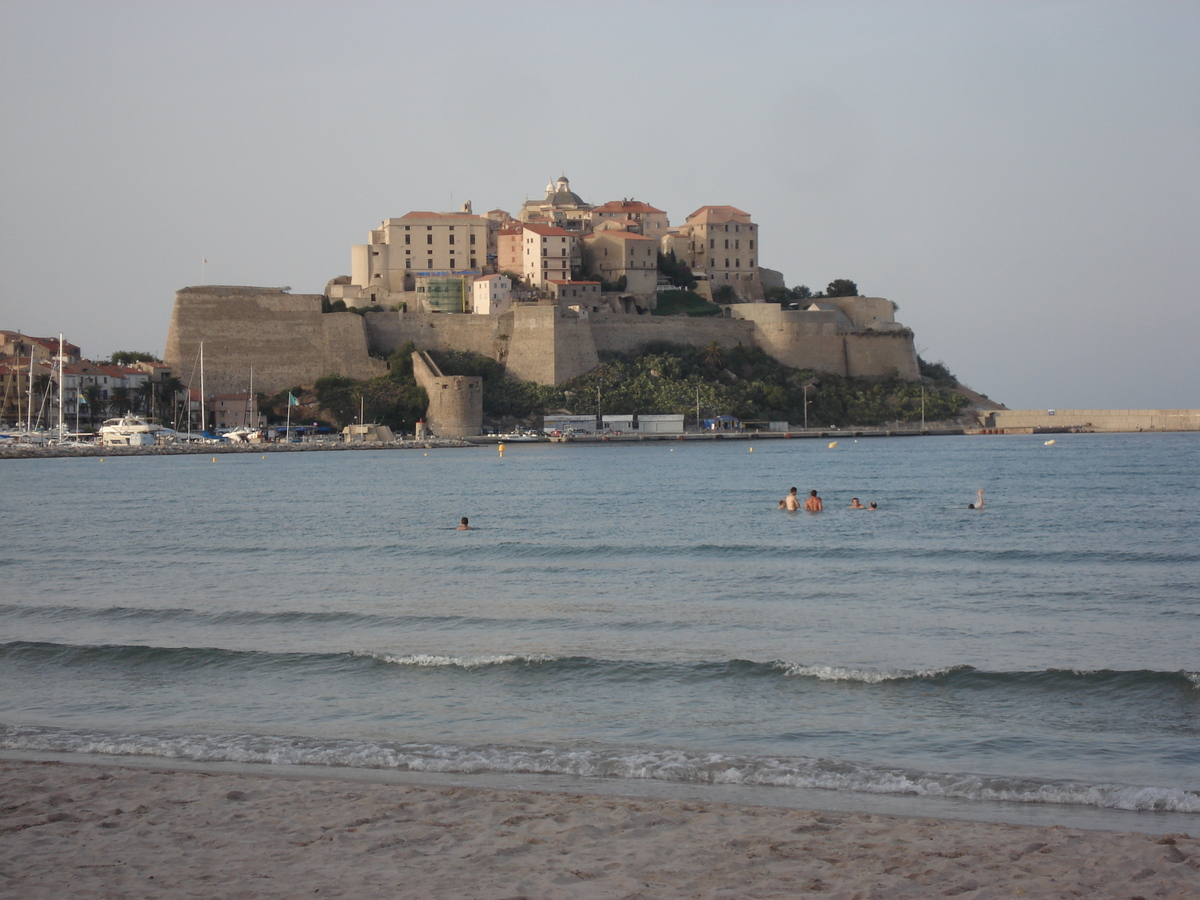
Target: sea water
x=629, y=613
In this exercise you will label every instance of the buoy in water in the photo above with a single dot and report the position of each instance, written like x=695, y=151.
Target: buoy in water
x=1049, y=442
x=751, y=449
x=832, y=444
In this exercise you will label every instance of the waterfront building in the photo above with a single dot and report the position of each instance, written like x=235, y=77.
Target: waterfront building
x=723, y=242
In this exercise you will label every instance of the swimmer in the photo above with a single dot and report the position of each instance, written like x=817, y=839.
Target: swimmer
x=874, y=505
x=463, y=526
x=978, y=504
x=813, y=503
x=854, y=504
x=791, y=501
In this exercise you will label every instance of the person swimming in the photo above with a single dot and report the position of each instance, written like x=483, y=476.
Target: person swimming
x=979, y=503
x=791, y=501
x=854, y=504
x=463, y=525
x=813, y=503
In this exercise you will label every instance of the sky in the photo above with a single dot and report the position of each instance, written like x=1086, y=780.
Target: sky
x=1022, y=178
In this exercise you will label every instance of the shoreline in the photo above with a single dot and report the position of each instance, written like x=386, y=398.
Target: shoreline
x=33, y=451
x=950, y=809
x=95, y=828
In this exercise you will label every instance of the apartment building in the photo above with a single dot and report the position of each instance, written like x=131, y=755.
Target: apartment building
x=723, y=241
x=538, y=253
x=416, y=243
x=614, y=253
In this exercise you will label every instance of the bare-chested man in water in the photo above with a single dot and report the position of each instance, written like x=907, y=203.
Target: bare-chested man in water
x=791, y=501
x=813, y=503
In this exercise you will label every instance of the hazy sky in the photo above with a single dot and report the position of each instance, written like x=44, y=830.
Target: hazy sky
x=1022, y=178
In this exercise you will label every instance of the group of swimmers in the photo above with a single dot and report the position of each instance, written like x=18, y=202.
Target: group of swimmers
x=814, y=504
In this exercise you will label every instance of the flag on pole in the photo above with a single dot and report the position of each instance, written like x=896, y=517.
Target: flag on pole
x=292, y=401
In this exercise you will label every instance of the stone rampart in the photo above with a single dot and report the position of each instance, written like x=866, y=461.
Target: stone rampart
x=284, y=337
x=455, y=401
x=1096, y=419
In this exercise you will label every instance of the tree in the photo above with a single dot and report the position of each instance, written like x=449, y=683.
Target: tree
x=714, y=356
x=169, y=390
x=339, y=395
x=121, y=400
x=725, y=294
x=94, y=398
x=841, y=287
x=127, y=357
x=801, y=292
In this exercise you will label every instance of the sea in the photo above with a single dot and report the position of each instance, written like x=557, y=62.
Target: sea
x=638, y=618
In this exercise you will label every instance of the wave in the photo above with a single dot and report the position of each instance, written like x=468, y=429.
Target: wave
x=679, y=766
x=957, y=676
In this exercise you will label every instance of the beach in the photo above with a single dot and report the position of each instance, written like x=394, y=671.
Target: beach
x=85, y=830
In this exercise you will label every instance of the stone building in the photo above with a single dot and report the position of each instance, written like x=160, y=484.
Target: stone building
x=561, y=206
x=615, y=254
x=538, y=253
x=632, y=215
x=416, y=243
x=723, y=242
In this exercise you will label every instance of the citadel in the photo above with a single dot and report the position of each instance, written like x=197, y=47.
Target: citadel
x=543, y=294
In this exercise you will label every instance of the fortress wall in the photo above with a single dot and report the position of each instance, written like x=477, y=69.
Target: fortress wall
x=455, y=401
x=804, y=345
x=285, y=337
x=625, y=334
x=1098, y=419
x=877, y=354
x=386, y=331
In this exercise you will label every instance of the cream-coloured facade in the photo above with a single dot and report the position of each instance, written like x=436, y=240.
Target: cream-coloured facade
x=632, y=215
x=491, y=295
x=723, y=241
x=538, y=253
x=416, y=243
x=614, y=253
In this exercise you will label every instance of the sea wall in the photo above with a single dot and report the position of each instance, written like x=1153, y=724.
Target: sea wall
x=1096, y=419
x=284, y=337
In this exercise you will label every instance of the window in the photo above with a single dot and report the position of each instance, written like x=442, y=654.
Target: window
x=429, y=238
x=711, y=262
x=737, y=245
x=752, y=262
x=406, y=228
x=407, y=252
x=408, y=239
x=408, y=264
x=727, y=262
x=472, y=262
x=712, y=244
x=752, y=246
x=472, y=239
x=451, y=240
x=431, y=263
x=726, y=243
x=738, y=263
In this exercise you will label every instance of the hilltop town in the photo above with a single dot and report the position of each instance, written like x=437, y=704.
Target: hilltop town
x=544, y=295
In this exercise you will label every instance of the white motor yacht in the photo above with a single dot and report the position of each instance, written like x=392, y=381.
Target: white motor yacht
x=129, y=431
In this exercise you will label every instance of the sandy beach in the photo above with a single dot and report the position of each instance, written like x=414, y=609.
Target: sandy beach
x=84, y=830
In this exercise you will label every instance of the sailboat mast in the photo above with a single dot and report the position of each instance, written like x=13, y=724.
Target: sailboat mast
x=60, y=386
x=203, y=417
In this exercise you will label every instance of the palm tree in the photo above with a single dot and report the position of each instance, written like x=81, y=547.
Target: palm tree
x=121, y=400
x=714, y=356
x=145, y=397
x=169, y=390
x=94, y=398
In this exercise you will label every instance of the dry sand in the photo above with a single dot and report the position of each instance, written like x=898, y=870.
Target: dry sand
x=82, y=831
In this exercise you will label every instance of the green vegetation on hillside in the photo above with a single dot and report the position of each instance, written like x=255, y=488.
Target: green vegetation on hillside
x=660, y=378
x=684, y=303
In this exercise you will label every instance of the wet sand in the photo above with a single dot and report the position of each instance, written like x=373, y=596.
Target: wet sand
x=90, y=831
